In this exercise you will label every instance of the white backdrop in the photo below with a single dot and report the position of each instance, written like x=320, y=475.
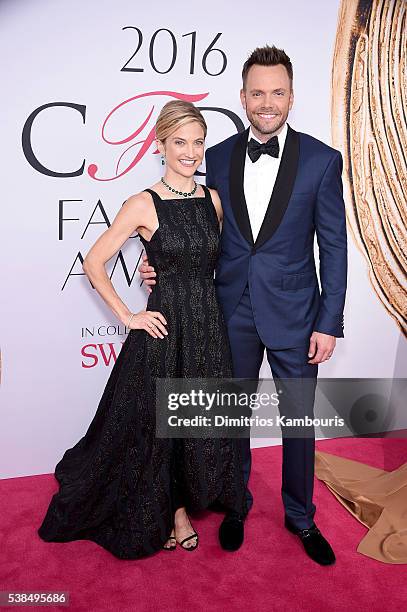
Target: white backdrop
x=73, y=53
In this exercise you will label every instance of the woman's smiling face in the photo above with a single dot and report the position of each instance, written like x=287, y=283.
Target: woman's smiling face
x=184, y=149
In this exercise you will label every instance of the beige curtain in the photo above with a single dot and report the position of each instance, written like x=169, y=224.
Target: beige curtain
x=377, y=498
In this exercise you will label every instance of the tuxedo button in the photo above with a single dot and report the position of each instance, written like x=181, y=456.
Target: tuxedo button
x=253, y=251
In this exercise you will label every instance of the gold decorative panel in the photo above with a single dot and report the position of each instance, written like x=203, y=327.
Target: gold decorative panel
x=369, y=127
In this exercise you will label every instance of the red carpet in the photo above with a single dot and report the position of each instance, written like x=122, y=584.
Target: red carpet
x=269, y=573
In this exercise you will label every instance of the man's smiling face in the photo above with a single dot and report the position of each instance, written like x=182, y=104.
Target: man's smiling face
x=267, y=98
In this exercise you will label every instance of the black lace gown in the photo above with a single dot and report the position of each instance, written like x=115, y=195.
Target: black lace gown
x=120, y=485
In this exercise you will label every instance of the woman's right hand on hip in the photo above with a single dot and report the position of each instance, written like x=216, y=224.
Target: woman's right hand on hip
x=150, y=320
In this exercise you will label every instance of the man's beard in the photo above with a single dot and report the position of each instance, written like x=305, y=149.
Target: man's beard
x=269, y=130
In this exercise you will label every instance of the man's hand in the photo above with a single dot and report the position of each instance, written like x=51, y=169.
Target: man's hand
x=147, y=273
x=321, y=347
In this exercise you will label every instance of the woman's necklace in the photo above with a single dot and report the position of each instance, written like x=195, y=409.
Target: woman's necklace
x=181, y=193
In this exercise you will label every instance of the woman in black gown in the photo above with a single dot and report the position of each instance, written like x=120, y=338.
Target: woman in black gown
x=120, y=485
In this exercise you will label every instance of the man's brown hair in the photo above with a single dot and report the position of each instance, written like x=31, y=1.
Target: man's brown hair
x=267, y=56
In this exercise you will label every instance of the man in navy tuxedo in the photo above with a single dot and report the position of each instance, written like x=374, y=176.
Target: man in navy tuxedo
x=278, y=188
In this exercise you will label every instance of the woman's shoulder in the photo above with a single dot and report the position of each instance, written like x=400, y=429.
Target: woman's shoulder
x=141, y=200
x=216, y=203
x=213, y=192
x=138, y=206
x=214, y=195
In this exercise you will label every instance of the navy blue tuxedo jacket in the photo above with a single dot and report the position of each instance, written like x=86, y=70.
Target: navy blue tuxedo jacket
x=279, y=266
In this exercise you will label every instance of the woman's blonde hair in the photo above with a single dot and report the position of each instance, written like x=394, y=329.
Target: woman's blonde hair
x=175, y=114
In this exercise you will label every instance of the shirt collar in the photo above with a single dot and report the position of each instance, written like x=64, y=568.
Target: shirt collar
x=281, y=136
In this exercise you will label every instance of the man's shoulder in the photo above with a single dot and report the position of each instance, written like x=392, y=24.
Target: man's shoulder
x=312, y=145
x=223, y=147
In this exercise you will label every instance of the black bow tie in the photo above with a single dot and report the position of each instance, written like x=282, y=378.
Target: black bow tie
x=255, y=148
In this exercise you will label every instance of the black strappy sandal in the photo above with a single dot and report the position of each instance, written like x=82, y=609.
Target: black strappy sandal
x=172, y=547
x=194, y=535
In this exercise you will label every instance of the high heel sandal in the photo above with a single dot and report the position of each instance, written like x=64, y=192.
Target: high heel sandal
x=173, y=546
x=194, y=535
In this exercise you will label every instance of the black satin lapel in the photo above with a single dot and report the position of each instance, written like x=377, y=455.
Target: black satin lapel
x=236, y=186
x=282, y=188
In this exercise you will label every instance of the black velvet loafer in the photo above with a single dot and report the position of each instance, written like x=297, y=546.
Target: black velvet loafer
x=315, y=545
x=231, y=531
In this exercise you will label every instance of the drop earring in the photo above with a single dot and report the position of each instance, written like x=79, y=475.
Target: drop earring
x=162, y=160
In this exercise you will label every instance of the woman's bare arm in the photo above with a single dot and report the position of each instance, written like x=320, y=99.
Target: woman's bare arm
x=130, y=217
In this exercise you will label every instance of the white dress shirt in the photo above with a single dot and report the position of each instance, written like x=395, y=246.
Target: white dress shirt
x=259, y=179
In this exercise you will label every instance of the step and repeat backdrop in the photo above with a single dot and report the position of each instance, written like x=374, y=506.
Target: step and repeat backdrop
x=83, y=84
